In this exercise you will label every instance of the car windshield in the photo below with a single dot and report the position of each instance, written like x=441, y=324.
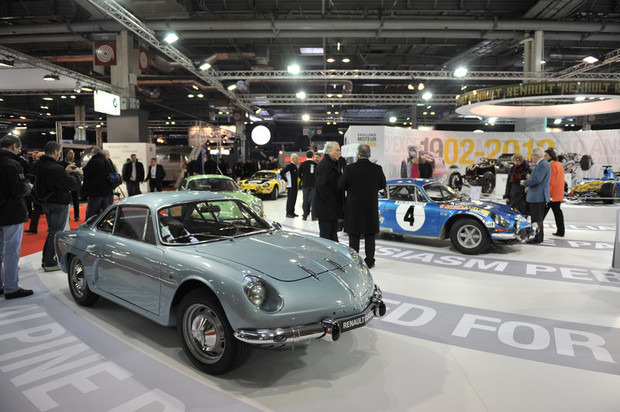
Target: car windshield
x=207, y=221
x=213, y=185
x=438, y=192
x=264, y=175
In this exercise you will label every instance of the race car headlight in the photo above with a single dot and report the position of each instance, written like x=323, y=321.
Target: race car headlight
x=500, y=220
x=257, y=205
x=266, y=184
x=261, y=295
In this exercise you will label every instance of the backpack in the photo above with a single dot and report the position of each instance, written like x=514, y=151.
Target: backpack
x=114, y=178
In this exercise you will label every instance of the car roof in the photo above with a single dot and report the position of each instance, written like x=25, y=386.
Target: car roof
x=416, y=182
x=159, y=199
x=207, y=177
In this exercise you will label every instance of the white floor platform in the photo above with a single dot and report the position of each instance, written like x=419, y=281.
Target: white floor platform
x=521, y=328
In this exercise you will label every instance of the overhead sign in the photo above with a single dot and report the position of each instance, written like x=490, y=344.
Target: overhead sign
x=143, y=60
x=107, y=103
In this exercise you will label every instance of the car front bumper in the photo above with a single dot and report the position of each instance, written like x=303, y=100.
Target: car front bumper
x=326, y=327
x=521, y=235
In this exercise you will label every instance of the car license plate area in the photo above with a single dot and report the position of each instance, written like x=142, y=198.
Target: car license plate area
x=356, y=321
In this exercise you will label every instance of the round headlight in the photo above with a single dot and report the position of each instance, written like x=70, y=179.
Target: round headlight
x=266, y=184
x=255, y=290
x=501, y=220
x=257, y=205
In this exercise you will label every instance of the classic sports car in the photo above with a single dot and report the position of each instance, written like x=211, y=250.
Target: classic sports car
x=209, y=264
x=224, y=184
x=605, y=188
x=265, y=182
x=421, y=207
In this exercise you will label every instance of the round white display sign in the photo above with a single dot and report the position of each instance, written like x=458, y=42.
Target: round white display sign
x=410, y=216
x=261, y=135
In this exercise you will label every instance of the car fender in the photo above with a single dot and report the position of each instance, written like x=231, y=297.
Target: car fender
x=447, y=226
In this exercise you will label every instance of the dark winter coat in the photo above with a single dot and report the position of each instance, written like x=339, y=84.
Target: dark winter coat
x=96, y=183
x=127, y=171
x=328, y=199
x=515, y=192
x=13, y=190
x=53, y=182
x=160, y=173
x=290, y=170
x=307, y=173
x=362, y=181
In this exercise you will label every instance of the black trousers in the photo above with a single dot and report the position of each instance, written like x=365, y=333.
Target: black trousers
x=558, y=215
x=76, y=204
x=291, y=199
x=328, y=229
x=308, y=200
x=133, y=187
x=369, y=245
x=537, y=212
x=155, y=185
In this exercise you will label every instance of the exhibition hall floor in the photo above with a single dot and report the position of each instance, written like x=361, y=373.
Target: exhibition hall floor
x=519, y=328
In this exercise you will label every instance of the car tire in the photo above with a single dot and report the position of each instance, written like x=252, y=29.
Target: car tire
x=488, y=182
x=275, y=193
x=455, y=181
x=469, y=236
x=609, y=190
x=207, y=338
x=78, y=285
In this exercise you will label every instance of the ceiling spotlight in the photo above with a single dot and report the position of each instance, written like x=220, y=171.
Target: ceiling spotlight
x=300, y=95
x=557, y=121
x=460, y=72
x=205, y=66
x=232, y=87
x=293, y=69
x=393, y=119
x=48, y=98
x=590, y=59
x=171, y=37
x=427, y=95
x=421, y=86
x=331, y=60
x=410, y=86
x=305, y=117
x=51, y=77
x=346, y=60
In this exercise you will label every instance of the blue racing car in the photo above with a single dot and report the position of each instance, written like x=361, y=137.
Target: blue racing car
x=424, y=208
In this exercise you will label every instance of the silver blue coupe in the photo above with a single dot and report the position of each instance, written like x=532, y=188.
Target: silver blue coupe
x=210, y=265
x=424, y=208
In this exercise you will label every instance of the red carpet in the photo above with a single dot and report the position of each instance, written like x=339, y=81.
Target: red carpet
x=33, y=242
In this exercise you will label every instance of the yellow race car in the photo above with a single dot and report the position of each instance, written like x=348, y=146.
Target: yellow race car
x=264, y=182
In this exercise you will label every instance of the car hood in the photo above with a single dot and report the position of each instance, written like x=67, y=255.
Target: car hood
x=257, y=181
x=286, y=256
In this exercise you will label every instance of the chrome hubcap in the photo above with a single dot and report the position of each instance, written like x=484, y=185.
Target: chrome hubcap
x=77, y=279
x=204, y=333
x=469, y=236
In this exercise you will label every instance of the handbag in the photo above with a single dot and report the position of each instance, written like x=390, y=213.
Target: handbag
x=114, y=178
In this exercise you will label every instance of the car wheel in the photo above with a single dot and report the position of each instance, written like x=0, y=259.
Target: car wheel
x=488, y=182
x=609, y=190
x=468, y=236
x=275, y=192
x=207, y=337
x=78, y=285
x=455, y=181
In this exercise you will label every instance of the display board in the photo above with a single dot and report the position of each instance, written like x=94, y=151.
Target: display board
x=391, y=146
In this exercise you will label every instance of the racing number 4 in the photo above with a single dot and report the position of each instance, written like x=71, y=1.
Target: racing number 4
x=409, y=217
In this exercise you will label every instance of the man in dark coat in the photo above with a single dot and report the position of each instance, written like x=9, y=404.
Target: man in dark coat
x=53, y=186
x=307, y=173
x=426, y=168
x=13, y=214
x=362, y=181
x=155, y=176
x=69, y=159
x=328, y=199
x=96, y=186
x=133, y=174
x=289, y=174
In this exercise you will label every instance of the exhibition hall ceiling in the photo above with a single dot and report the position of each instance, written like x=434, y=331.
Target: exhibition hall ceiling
x=359, y=61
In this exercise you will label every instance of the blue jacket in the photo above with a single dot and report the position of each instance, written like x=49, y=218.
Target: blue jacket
x=538, y=183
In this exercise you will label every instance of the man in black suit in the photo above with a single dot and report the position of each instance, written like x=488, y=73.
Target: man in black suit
x=155, y=176
x=362, y=181
x=290, y=174
x=307, y=172
x=133, y=174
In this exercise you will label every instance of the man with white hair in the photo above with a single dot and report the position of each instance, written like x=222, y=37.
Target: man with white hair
x=537, y=188
x=289, y=174
x=328, y=199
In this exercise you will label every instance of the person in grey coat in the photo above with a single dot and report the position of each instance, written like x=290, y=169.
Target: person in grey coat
x=537, y=188
x=362, y=181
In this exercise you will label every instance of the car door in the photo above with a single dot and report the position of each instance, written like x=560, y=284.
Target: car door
x=407, y=211
x=130, y=262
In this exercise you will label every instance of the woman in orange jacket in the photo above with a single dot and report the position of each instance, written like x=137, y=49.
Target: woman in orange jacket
x=556, y=189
